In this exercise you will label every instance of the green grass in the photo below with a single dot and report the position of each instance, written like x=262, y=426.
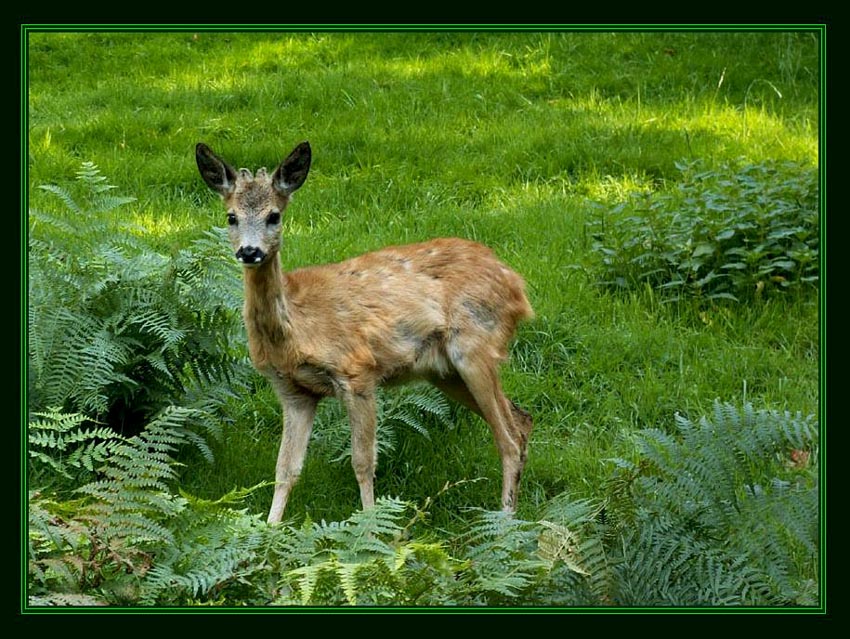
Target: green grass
x=506, y=138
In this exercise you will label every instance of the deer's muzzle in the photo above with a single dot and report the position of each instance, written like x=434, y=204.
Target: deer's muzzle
x=250, y=255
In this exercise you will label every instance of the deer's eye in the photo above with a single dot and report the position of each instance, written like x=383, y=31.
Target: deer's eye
x=231, y=219
x=273, y=218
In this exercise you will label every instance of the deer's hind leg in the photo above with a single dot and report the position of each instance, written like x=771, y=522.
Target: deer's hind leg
x=478, y=387
x=455, y=388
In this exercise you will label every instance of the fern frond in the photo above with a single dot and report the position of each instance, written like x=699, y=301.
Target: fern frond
x=234, y=497
x=411, y=420
x=65, y=440
x=559, y=543
x=347, y=574
x=212, y=547
x=55, y=420
x=408, y=406
x=105, y=203
x=161, y=324
x=63, y=195
x=132, y=500
x=503, y=558
x=307, y=577
x=137, y=528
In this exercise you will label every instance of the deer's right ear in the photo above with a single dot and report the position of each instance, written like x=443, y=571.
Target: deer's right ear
x=217, y=173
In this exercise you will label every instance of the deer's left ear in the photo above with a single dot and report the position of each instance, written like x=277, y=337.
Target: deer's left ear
x=217, y=173
x=292, y=172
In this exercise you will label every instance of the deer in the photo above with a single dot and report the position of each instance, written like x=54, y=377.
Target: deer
x=442, y=311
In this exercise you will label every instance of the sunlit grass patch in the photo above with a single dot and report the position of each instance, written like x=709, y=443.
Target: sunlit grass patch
x=506, y=138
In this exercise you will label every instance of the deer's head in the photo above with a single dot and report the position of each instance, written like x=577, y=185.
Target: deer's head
x=254, y=203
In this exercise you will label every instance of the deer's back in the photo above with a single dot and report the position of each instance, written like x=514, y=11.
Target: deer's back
x=405, y=311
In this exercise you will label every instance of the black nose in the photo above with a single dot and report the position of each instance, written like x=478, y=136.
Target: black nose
x=250, y=255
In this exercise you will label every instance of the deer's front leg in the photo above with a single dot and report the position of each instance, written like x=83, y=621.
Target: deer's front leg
x=364, y=451
x=298, y=414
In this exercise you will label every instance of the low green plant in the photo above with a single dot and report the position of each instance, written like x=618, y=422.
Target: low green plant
x=129, y=538
x=375, y=558
x=364, y=560
x=557, y=560
x=734, y=232
x=724, y=512
x=217, y=554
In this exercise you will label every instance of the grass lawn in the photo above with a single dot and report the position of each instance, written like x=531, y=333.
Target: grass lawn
x=511, y=139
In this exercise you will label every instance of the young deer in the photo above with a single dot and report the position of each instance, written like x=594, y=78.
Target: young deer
x=443, y=311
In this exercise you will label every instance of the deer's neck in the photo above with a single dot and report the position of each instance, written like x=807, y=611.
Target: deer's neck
x=266, y=311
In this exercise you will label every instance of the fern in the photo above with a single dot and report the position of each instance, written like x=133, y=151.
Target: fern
x=116, y=328
x=107, y=538
x=210, y=551
x=557, y=560
x=574, y=536
x=502, y=557
x=719, y=516
x=366, y=532
x=66, y=599
x=364, y=560
x=218, y=553
x=409, y=406
x=96, y=189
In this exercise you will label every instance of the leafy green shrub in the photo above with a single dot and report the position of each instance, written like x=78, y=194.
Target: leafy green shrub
x=217, y=554
x=223, y=555
x=122, y=339
x=363, y=560
x=558, y=560
x=129, y=539
x=373, y=558
x=724, y=514
x=731, y=232
x=119, y=330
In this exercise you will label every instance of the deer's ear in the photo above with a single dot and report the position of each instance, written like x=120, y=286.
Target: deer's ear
x=217, y=173
x=292, y=172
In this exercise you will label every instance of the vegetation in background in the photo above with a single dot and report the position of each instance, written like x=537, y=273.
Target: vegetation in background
x=675, y=166
x=725, y=233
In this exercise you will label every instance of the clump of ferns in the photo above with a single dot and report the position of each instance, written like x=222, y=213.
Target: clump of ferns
x=103, y=539
x=118, y=328
x=558, y=559
x=723, y=512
